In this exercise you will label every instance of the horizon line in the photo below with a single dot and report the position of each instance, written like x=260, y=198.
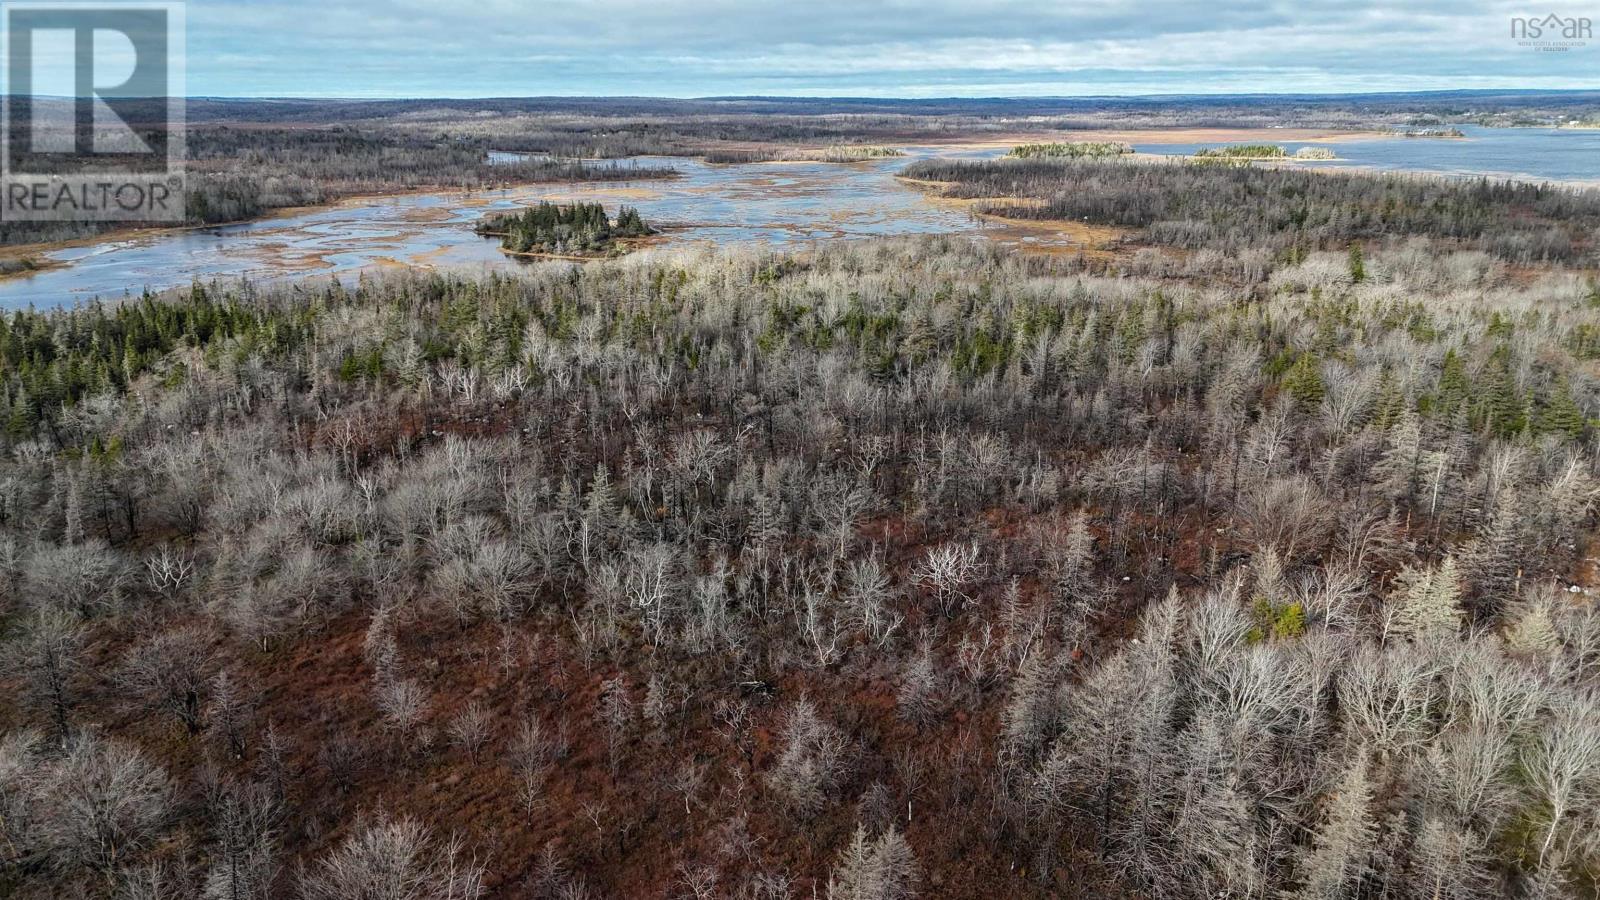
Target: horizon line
x=864, y=98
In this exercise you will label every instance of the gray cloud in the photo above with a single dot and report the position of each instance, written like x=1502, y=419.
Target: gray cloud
x=930, y=47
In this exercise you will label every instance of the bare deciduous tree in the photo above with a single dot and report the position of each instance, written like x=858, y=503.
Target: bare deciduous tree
x=231, y=714
x=469, y=728
x=48, y=655
x=245, y=864
x=918, y=694
x=947, y=572
x=403, y=703
x=1562, y=766
x=170, y=673
x=106, y=804
x=395, y=859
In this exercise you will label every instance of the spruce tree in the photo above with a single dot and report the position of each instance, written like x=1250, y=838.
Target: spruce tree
x=1505, y=412
x=1342, y=845
x=1391, y=402
x=1454, y=385
x=1428, y=603
x=1303, y=381
x=1558, y=414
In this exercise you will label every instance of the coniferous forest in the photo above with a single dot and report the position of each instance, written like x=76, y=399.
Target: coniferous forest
x=1240, y=210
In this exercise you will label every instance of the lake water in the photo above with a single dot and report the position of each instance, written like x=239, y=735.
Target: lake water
x=1541, y=154
x=774, y=203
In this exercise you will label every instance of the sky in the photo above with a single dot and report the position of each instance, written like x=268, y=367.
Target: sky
x=903, y=48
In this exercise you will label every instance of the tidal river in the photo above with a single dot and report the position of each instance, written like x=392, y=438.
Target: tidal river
x=777, y=203
x=774, y=203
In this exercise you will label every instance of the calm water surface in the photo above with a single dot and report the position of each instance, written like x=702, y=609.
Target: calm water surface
x=1540, y=154
x=774, y=203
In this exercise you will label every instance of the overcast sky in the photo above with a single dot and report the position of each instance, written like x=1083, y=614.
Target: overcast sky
x=908, y=48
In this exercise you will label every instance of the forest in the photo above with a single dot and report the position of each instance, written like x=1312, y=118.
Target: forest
x=885, y=569
x=1276, y=213
x=1254, y=557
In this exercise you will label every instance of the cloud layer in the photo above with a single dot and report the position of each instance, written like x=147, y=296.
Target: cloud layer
x=407, y=48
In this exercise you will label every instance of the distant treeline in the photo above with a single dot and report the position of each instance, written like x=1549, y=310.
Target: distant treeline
x=261, y=170
x=1406, y=107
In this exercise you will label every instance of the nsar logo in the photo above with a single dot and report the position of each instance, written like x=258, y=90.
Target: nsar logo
x=1552, y=33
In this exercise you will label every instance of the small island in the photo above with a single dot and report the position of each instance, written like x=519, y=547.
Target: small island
x=1071, y=150
x=837, y=153
x=581, y=230
x=1244, y=153
x=1448, y=132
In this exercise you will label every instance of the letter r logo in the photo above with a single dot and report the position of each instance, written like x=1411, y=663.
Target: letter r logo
x=91, y=87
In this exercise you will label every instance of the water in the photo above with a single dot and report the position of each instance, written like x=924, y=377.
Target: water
x=1540, y=154
x=775, y=203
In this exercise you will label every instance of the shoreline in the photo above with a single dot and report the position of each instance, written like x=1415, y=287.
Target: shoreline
x=1182, y=135
x=33, y=267
x=1097, y=241
x=623, y=246
x=152, y=232
x=42, y=253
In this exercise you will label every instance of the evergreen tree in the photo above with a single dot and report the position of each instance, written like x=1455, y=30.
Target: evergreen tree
x=881, y=869
x=1358, y=264
x=555, y=228
x=1454, y=386
x=1303, y=381
x=1391, y=402
x=1342, y=845
x=1399, y=470
x=1558, y=414
x=1428, y=602
x=1505, y=412
x=1533, y=633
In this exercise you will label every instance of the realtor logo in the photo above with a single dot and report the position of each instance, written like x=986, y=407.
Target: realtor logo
x=91, y=114
x=1552, y=33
